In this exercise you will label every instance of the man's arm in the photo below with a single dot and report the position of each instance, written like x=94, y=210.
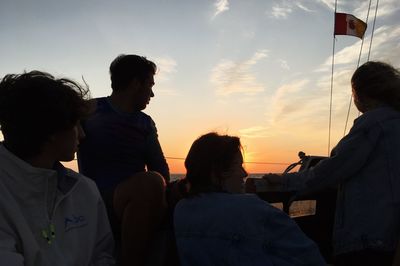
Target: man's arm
x=155, y=159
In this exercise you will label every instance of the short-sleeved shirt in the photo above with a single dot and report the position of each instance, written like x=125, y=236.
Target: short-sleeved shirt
x=118, y=145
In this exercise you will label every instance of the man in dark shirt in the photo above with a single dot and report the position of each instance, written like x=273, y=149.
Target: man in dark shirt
x=122, y=154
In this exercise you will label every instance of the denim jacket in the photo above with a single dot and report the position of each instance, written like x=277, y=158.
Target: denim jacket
x=239, y=229
x=365, y=165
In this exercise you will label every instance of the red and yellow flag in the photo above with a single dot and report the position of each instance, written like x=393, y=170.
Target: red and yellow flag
x=347, y=24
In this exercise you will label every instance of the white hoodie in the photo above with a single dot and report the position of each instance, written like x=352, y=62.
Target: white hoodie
x=50, y=217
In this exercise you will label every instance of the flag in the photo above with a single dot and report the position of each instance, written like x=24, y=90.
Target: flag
x=346, y=24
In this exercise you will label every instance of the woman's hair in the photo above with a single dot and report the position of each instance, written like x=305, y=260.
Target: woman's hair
x=209, y=157
x=379, y=82
x=34, y=106
x=125, y=68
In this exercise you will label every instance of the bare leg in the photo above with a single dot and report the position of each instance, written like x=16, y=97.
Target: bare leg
x=396, y=259
x=139, y=203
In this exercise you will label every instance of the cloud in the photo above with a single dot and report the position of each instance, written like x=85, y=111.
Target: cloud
x=255, y=132
x=283, y=10
x=385, y=8
x=231, y=77
x=166, y=67
x=328, y=3
x=286, y=100
x=221, y=6
x=167, y=92
x=302, y=7
x=283, y=64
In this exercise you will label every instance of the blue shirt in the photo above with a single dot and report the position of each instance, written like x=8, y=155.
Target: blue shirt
x=366, y=167
x=118, y=145
x=239, y=229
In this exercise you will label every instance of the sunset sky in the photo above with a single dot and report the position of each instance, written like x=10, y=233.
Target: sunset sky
x=257, y=69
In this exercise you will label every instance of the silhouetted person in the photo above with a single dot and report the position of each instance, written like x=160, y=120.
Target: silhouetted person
x=365, y=166
x=49, y=215
x=217, y=224
x=122, y=154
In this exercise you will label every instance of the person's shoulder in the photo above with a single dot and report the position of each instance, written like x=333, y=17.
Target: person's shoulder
x=376, y=116
x=82, y=181
x=145, y=117
x=146, y=121
x=98, y=103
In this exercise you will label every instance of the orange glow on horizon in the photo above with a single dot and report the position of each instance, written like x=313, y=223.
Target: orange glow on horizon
x=176, y=166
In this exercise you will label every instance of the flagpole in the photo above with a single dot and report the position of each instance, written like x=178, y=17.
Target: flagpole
x=333, y=63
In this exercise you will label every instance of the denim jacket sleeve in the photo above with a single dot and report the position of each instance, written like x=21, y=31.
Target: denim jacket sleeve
x=286, y=243
x=155, y=160
x=346, y=159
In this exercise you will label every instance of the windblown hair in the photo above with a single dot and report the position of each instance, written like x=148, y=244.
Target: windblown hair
x=34, y=106
x=209, y=157
x=378, y=81
x=125, y=68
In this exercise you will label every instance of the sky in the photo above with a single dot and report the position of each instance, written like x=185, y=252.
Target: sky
x=260, y=70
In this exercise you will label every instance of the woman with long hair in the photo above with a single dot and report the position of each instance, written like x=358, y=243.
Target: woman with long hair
x=217, y=224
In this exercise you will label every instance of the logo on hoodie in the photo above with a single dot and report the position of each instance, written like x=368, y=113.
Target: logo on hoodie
x=73, y=222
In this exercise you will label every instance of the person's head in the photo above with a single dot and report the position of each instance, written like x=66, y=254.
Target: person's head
x=39, y=113
x=375, y=84
x=215, y=163
x=133, y=74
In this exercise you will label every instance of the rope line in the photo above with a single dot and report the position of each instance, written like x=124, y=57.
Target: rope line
x=181, y=158
x=273, y=163
x=358, y=64
x=331, y=96
x=373, y=29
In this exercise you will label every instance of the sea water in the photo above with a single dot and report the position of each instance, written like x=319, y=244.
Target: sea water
x=181, y=176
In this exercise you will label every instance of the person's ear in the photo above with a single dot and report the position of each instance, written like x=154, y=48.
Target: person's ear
x=134, y=85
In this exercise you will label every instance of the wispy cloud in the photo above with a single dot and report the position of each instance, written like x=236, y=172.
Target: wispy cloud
x=255, y=132
x=284, y=9
x=167, y=92
x=328, y=3
x=281, y=12
x=302, y=7
x=286, y=99
x=385, y=8
x=236, y=77
x=166, y=68
x=284, y=64
x=221, y=6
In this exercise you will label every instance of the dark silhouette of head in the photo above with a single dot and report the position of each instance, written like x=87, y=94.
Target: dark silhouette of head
x=125, y=68
x=34, y=106
x=209, y=157
x=376, y=84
